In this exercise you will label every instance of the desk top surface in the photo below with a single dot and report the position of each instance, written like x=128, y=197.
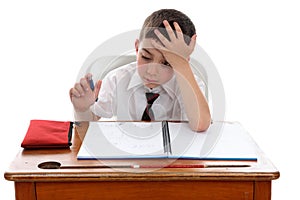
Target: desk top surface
x=28, y=166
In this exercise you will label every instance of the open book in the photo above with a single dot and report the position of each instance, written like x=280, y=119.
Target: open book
x=130, y=140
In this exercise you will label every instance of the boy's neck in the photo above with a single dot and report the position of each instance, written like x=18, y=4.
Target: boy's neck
x=153, y=89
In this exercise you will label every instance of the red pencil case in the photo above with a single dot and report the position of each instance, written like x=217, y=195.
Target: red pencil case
x=48, y=134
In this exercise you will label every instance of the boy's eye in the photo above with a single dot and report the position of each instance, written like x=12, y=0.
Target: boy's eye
x=167, y=64
x=146, y=58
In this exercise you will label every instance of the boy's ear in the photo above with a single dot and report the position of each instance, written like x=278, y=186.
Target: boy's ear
x=136, y=45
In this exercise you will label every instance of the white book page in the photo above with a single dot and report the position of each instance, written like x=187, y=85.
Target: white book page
x=184, y=141
x=224, y=141
x=122, y=139
x=234, y=143
x=220, y=141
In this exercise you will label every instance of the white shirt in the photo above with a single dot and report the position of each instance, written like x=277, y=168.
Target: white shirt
x=122, y=95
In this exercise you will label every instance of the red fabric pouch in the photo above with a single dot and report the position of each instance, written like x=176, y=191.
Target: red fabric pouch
x=48, y=134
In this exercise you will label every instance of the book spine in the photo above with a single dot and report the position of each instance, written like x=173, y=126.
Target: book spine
x=166, y=138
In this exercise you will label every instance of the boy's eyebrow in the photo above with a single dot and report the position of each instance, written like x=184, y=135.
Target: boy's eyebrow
x=147, y=51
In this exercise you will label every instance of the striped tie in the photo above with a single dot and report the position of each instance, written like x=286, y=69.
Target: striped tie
x=148, y=113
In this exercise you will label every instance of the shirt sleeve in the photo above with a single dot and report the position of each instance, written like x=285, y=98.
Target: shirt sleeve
x=104, y=107
x=203, y=89
x=202, y=86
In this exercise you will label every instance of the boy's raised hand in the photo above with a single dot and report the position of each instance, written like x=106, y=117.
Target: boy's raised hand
x=82, y=96
x=176, y=45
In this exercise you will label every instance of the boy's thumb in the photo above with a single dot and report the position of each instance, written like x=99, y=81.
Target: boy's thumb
x=98, y=87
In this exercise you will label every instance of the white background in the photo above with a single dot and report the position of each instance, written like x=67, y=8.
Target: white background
x=254, y=45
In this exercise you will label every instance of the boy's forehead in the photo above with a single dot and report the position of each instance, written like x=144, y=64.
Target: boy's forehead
x=146, y=43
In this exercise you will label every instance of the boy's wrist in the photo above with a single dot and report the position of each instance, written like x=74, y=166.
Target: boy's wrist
x=178, y=62
x=86, y=115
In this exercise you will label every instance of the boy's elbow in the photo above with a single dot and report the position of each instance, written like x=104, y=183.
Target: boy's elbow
x=201, y=125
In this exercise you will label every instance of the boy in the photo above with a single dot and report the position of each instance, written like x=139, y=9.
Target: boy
x=162, y=73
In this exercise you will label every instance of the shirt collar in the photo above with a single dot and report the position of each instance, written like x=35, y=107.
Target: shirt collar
x=171, y=87
x=135, y=81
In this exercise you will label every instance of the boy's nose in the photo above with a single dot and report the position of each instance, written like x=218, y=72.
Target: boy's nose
x=152, y=69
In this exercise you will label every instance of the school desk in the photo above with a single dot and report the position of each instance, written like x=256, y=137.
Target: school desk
x=84, y=179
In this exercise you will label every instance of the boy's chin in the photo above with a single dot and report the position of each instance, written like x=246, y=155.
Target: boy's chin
x=151, y=85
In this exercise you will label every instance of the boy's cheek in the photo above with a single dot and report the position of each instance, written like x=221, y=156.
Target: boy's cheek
x=168, y=77
x=141, y=70
x=140, y=63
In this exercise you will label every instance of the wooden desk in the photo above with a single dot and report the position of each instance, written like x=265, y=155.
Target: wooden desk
x=91, y=182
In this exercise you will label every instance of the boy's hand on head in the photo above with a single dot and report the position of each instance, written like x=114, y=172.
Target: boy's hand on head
x=82, y=96
x=176, y=46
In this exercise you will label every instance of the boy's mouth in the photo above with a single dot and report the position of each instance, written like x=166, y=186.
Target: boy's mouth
x=150, y=80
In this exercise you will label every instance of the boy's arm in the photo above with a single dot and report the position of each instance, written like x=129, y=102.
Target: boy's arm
x=194, y=101
x=177, y=53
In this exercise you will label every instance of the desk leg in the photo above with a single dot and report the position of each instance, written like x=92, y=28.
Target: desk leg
x=262, y=190
x=25, y=191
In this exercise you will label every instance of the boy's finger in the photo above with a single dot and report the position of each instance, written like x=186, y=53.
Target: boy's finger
x=161, y=37
x=169, y=30
x=178, y=31
x=84, y=84
x=98, y=84
x=97, y=88
x=78, y=90
x=157, y=45
x=73, y=93
x=88, y=76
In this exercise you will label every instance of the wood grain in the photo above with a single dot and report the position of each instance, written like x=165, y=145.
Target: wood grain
x=147, y=190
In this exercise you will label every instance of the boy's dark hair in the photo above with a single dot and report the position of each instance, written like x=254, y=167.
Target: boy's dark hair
x=155, y=21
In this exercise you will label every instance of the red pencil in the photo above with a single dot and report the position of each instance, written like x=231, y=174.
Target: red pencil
x=188, y=166
x=154, y=166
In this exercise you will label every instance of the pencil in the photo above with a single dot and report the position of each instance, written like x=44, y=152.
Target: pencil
x=156, y=166
x=189, y=166
x=91, y=82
